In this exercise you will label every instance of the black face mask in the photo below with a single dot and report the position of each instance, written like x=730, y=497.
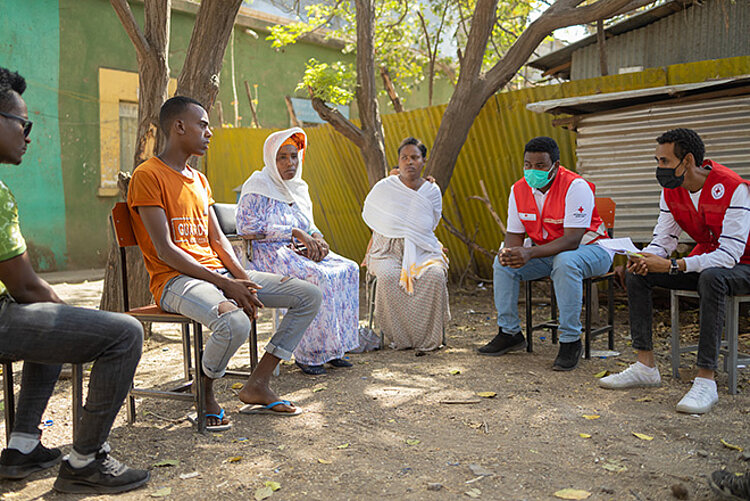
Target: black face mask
x=667, y=177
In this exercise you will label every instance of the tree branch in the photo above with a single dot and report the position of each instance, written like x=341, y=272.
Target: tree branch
x=471, y=244
x=339, y=122
x=122, y=9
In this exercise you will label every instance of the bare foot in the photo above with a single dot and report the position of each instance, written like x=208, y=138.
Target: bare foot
x=260, y=394
x=212, y=406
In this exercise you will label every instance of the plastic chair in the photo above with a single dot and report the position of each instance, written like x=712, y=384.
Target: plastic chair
x=121, y=223
x=732, y=358
x=9, y=397
x=606, y=209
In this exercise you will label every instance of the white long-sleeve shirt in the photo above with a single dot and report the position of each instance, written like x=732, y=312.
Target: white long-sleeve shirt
x=734, y=233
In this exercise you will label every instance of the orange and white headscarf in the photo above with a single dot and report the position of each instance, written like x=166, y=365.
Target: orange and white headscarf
x=268, y=181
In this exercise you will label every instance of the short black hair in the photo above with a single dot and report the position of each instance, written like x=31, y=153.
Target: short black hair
x=10, y=82
x=685, y=141
x=544, y=144
x=172, y=108
x=415, y=142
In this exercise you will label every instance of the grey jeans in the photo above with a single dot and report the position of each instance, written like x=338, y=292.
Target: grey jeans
x=46, y=335
x=199, y=300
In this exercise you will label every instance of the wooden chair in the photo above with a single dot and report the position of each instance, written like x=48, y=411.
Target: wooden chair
x=121, y=223
x=606, y=209
x=732, y=357
x=9, y=398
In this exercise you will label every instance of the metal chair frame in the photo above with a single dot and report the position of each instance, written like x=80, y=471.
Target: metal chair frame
x=606, y=209
x=9, y=397
x=732, y=357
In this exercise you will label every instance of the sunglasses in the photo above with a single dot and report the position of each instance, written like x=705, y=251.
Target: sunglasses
x=26, y=123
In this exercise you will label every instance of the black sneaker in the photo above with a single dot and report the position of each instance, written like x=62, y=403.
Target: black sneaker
x=14, y=465
x=104, y=475
x=503, y=343
x=568, y=356
x=730, y=486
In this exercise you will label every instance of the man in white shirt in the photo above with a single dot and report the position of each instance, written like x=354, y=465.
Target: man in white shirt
x=711, y=203
x=555, y=208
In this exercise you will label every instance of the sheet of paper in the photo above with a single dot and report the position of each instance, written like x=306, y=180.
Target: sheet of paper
x=620, y=245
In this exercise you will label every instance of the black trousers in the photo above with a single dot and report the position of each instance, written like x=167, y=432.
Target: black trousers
x=712, y=285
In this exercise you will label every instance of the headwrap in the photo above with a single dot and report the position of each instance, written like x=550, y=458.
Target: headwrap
x=268, y=181
x=396, y=211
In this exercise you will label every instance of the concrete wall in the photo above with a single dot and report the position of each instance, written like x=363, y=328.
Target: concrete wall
x=30, y=44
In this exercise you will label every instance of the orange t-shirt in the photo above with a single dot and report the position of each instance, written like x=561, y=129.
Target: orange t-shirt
x=185, y=201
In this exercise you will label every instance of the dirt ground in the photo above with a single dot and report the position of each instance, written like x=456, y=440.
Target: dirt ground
x=385, y=429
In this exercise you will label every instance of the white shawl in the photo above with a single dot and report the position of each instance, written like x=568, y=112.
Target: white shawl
x=396, y=211
x=268, y=181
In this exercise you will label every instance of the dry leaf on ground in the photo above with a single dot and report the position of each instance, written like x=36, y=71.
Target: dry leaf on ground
x=572, y=494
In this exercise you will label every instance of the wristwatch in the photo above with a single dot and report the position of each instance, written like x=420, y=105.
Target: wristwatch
x=673, y=268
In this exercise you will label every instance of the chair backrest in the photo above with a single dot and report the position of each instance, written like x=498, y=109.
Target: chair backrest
x=125, y=237
x=606, y=208
x=122, y=225
x=225, y=213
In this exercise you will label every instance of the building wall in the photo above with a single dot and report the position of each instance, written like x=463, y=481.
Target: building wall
x=91, y=37
x=715, y=29
x=30, y=44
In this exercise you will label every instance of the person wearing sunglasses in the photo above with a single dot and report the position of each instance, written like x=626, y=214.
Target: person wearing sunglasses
x=38, y=328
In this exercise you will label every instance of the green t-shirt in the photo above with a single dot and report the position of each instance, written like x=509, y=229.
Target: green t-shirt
x=12, y=243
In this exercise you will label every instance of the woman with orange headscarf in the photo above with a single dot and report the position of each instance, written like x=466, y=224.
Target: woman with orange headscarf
x=275, y=207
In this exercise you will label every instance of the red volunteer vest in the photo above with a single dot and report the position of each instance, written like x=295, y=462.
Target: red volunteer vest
x=553, y=210
x=704, y=225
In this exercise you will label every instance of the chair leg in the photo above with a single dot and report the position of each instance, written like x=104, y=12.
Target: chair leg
x=200, y=386
x=186, y=362
x=587, y=292
x=674, y=308
x=553, y=310
x=731, y=329
x=529, y=318
x=9, y=398
x=253, y=340
x=130, y=405
x=611, y=312
x=77, y=397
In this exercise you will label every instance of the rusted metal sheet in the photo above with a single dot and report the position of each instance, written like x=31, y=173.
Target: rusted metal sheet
x=616, y=152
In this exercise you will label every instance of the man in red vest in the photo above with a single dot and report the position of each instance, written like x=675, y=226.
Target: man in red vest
x=555, y=208
x=710, y=203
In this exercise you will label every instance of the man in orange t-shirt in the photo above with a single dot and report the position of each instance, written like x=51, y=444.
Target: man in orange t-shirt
x=194, y=271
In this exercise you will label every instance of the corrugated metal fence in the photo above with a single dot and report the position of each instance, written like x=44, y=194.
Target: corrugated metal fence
x=493, y=152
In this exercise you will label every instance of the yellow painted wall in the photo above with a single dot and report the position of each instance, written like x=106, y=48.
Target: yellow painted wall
x=493, y=152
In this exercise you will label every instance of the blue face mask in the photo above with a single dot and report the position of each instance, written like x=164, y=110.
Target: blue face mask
x=537, y=178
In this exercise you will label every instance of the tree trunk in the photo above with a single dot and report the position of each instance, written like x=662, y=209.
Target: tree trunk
x=199, y=79
x=474, y=88
x=369, y=114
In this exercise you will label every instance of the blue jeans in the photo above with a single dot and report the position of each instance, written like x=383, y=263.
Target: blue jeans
x=199, y=301
x=46, y=335
x=567, y=269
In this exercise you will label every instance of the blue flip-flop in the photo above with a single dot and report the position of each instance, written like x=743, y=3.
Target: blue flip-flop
x=268, y=409
x=193, y=418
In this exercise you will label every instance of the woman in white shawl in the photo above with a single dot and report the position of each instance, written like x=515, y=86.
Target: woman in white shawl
x=411, y=298
x=275, y=208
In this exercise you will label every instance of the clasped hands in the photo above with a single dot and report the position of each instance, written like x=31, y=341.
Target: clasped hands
x=514, y=257
x=649, y=263
x=317, y=247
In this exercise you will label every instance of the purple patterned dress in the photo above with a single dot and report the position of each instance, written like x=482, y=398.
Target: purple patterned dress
x=334, y=331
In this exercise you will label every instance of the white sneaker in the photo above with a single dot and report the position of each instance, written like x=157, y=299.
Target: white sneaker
x=701, y=397
x=637, y=375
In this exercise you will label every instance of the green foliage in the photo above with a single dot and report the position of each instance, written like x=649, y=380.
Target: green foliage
x=403, y=40
x=330, y=82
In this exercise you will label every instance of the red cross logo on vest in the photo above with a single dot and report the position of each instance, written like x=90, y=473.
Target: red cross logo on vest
x=717, y=191
x=580, y=209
